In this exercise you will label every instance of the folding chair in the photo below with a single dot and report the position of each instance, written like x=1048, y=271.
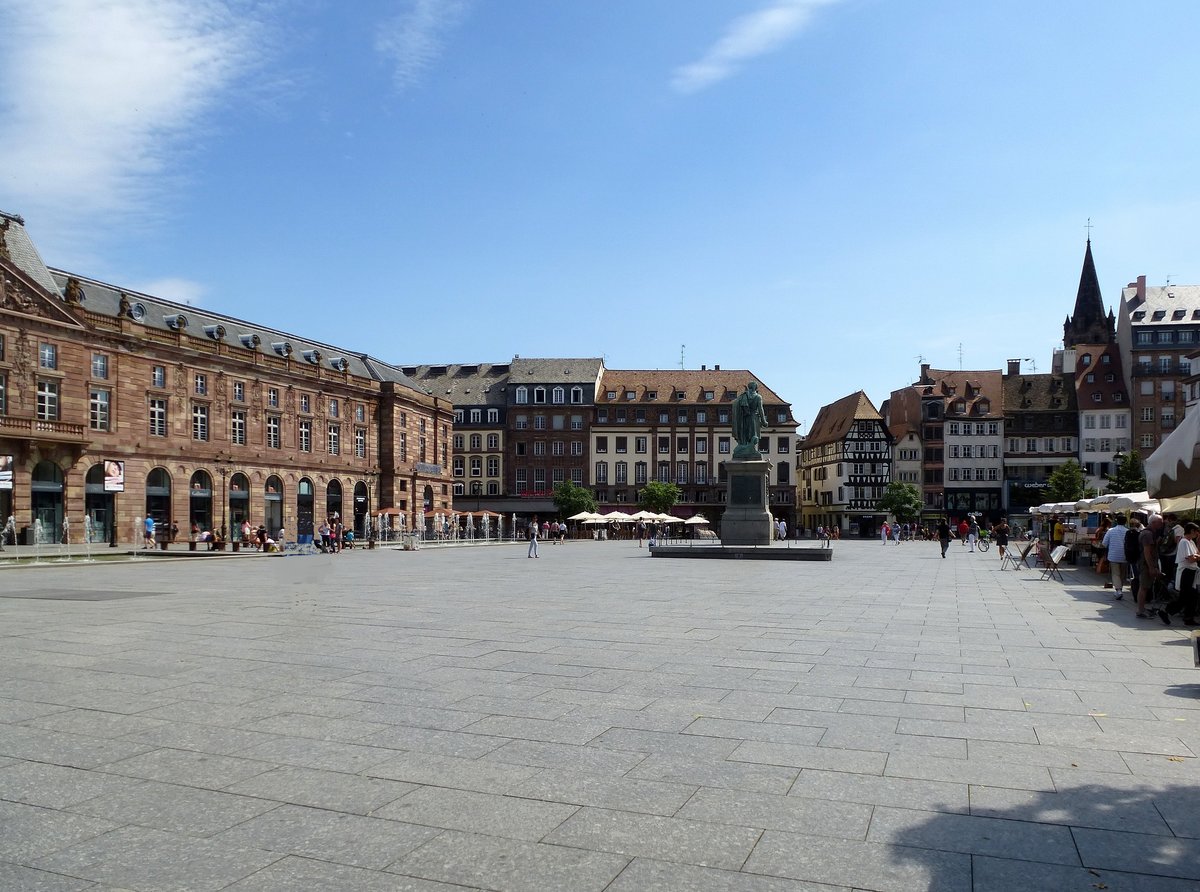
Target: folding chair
x=1017, y=558
x=1051, y=561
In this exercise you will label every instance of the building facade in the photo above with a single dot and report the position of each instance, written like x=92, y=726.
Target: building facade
x=846, y=466
x=1042, y=425
x=1158, y=329
x=675, y=427
x=211, y=419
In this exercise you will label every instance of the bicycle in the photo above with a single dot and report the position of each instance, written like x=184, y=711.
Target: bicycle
x=984, y=542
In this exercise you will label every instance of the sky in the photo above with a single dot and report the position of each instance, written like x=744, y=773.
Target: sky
x=825, y=192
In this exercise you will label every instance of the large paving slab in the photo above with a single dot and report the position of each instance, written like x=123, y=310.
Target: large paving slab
x=459, y=718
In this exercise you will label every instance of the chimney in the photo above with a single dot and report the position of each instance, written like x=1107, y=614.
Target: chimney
x=703, y=367
x=1014, y=367
x=925, y=373
x=716, y=368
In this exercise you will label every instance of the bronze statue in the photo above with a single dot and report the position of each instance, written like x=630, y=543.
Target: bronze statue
x=748, y=420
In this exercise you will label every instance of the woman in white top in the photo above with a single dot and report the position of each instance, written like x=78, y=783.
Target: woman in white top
x=1186, y=558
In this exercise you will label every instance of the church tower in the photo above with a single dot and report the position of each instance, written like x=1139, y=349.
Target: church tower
x=1089, y=324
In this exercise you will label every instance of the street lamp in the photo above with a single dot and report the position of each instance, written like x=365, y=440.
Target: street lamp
x=223, y=469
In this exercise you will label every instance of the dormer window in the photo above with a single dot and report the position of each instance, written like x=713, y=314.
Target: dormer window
x=215, y=332
x=250, y=341
x=539, y=395
x=522, y=395
x=559, y=396
x=1139, y=315
x=958, y=407
x=984, y=406
x=651, y=394
x=576, y=395
x=1158, y=315
x=610, y=394
x=631, y=394
x=1085, y=360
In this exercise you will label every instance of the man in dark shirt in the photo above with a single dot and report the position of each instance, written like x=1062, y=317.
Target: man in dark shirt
x=1150, y=572
x=943, y=531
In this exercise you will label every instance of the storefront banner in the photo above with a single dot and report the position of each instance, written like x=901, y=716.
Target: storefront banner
x=6, y=472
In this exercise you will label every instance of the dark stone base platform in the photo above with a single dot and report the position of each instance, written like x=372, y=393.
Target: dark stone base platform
x=742, y=552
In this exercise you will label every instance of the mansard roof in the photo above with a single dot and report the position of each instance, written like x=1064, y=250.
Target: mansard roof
x=981, y=392
x=526, y=370
x=464, y=384
x=167, y=315
x=835, y=420
x=16, y=245
x=663, y=387
x=1039, y=393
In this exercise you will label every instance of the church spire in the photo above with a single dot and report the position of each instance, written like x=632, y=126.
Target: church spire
x=1089, y=324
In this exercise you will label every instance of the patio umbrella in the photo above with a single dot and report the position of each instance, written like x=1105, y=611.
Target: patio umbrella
x=583, y=515
x=1131, y=500
x=645, y=515
x=697, y=519
x=619, y=516
x=1173, y=469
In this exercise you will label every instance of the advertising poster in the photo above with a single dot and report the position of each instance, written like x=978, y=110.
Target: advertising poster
x=6, y=472
x=114, y=476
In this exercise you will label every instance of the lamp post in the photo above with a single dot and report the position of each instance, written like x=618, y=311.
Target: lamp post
x=223, y=470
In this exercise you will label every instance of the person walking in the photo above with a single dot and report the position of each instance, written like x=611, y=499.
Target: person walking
x=1149, y=571
x=884, y=532
x=641, y=532
x=973, y=533
x=943, y=534
x=1000, y=533
x=148, y=532
x=533, y=537
x=1118, y=563
x=1186, y=557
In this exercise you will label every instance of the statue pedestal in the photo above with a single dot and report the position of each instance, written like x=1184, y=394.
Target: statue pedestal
x=747, y=517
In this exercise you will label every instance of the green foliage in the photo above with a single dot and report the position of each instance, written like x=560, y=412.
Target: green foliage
x=1129, y=474
x=902, y=501
x=1065, y=483
x=570, y=499
x=659, y=497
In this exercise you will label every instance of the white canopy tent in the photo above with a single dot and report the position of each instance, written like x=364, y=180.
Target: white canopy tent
x=1174, y=468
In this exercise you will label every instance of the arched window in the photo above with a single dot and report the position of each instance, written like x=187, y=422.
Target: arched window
x=558, y=395
x=493, y=441
x=476, y=441
x=539, y=395
x=522, y=394
x=576, y=395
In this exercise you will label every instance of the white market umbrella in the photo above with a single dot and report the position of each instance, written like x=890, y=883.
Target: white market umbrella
x=1174, y=468
x=644, y=515
x=1133, y=500
x=697, y=520
x=583, y=515
x=668, y=518
x=619, y=516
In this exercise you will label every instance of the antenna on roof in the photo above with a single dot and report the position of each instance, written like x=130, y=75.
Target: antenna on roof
x=960, y=356
x=682, y=347
x=1088, y=227
x=1032, y=362
x=920, y=358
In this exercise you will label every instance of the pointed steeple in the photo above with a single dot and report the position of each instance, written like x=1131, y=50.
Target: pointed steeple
x=1089, y=324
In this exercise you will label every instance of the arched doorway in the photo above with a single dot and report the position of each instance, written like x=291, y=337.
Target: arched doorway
x=239, y=503
x=360, y=510
x=158, y=499
x=304, y=511
x=273, y=506
x=46, y=498
x=333, y=499
x=98, y=504
x=200, y=501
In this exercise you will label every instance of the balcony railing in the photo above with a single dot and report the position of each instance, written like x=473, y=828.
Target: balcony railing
x=40, y=429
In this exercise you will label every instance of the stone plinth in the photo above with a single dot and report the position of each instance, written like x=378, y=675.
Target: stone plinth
x=747, y=517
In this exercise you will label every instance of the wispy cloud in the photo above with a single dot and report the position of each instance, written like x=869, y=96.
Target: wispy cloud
x=414, y=39
x=748, y=37
x=99, y=99
x=182, y=291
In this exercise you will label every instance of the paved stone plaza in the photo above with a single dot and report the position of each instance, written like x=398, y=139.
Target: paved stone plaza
x=467, y=718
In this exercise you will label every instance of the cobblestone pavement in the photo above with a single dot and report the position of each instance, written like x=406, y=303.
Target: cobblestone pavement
x=591, y=720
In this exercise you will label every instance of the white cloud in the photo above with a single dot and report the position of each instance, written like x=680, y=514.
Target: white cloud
x=747, y=37
x=414, y=39
x=99, y=98
x=182, y=291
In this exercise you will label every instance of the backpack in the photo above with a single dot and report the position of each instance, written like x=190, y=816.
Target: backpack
x=1131, y=546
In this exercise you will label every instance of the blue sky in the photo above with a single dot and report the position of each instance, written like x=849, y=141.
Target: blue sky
x=818, y=190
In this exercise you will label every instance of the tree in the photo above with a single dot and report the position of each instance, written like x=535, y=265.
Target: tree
x=1129, y=474
x=1065, y=483
x=570, y=499
x=659, y=497
x=902, y=501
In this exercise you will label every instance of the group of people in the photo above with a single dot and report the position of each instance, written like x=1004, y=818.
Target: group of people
x=1156, y=557
x=333, y=535
x=968, y=532
x=258, y=538
x=548, y=530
